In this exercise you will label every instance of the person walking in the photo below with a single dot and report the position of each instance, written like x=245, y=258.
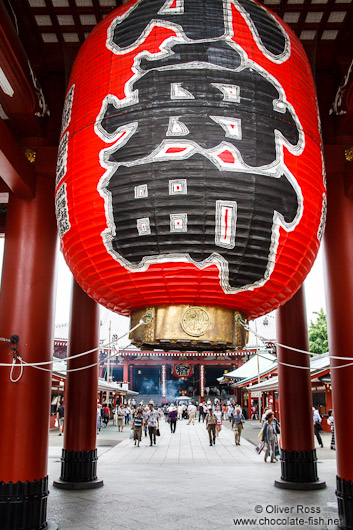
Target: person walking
x=127, y=412
x=230, y=411
x=106, y=414
x=192, y=414
x=211, y=422
x=121, y=418
x=317, y=426
x=218, y=414
x=115, y=416
x=180, y=411
x=144, y=415
x=269, y=435
x=331, y=424
x=224, y=411
x=253, y=412
x=99, y=418
x=152, y=422
x=264, y=415
x=201, y=413
x=172, y=418
x=237, y=424
x=60, y=417
x=137, y=426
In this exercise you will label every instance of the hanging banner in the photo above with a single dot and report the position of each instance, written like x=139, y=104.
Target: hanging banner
x=183, y=370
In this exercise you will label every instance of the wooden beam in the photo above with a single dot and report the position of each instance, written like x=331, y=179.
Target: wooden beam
x=20, y=100
x=15, y=169
x=46, y=161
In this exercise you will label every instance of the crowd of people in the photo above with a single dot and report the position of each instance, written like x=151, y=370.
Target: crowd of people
x=146, y=418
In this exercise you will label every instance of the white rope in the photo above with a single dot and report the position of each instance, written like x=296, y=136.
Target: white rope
x=81, y=367
x=309, y=367
x=341, y=366
x=305, y=352
x=300, y=351
x=14, y=363
x=39, y=366
x=83, y=353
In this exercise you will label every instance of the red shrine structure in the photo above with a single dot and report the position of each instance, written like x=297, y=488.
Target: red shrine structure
x=42, y=169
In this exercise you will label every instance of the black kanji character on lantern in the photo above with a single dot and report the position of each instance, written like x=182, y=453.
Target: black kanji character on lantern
x=186, y=14
x=201, y=93
x=174, y=208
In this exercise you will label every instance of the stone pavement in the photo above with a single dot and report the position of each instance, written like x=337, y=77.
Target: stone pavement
x=182, y=483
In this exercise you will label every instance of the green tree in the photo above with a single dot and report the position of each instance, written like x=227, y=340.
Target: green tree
x=318, y=341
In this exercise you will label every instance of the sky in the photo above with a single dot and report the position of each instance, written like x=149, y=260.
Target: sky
x=314, y=288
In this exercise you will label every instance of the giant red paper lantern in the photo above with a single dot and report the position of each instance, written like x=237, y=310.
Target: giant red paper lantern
x=190, y=164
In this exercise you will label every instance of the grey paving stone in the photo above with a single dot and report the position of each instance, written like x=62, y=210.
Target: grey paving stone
x=186, y=479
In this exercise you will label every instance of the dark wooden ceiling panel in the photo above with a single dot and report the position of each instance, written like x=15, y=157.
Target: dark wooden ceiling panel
x=52, y=31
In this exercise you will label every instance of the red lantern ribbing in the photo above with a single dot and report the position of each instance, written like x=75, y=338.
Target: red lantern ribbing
x=27, y=309
x=190, y=163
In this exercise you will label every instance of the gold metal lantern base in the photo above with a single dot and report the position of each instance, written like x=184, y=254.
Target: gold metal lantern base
x=189, y=327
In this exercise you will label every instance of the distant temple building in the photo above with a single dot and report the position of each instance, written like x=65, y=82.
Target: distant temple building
x=167, y=374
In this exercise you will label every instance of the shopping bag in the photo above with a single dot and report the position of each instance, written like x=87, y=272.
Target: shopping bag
x=131, y=434
x=259, y=447
x=158, y=432
x=277, y=450
x=56, y=423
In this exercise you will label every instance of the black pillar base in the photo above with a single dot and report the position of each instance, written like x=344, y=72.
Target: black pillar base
x=23, y=505
x=78, y=470
x=67, y=485
x=299, y=471
x=344, y=494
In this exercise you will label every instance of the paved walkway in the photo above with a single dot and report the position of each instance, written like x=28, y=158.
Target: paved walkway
x=188, y=445
x=182, y=483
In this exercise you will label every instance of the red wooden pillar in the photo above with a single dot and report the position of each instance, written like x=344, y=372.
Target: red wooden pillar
x=79, y=454
x=27, y=309
x=339, y=295
x=125, y=370
x=298, y=454
x=235, y=391
x=131, y=377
